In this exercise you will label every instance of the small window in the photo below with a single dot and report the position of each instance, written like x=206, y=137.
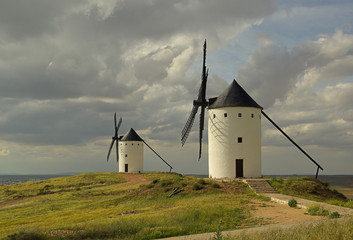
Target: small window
x=214, y=115
x=125, y=155
x=240, y=139
x=138, y=144
x=132, y=144
x=125, y=144
x=225, y=114
x=252, y=115
x=239, y=114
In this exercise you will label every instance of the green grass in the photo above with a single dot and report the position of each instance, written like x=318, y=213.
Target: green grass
x=310, y=188
x=101, y=206
x=341, y=229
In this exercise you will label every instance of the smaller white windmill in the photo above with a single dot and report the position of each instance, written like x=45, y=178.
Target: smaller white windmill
x=129, y=150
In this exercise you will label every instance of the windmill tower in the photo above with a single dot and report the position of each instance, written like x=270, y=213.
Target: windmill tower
x=131, y=152
x=234, y=130
x=234, y=134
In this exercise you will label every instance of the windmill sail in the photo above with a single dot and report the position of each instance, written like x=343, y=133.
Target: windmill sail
x=200, y=102
x=187, y=128
x=115, y=139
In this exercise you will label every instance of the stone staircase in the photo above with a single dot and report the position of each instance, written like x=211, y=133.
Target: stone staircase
x=260, y=185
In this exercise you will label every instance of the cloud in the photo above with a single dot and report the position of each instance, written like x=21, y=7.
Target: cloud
x=273, y=72
x=303, y=92
x=67, y=66
x=4, y=152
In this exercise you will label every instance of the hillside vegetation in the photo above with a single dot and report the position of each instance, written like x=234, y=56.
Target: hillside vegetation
x=310, y=188
x=138, y=206
x=338, y=229
x=104, y=206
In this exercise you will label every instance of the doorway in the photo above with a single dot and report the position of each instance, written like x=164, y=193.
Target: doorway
x=239, y=168
x=126, y=167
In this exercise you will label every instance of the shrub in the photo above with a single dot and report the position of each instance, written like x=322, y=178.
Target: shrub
x=26, y=236
x=317, y=210
x=201, y=181
x=215, y=185
x=334, y=215
x=263, y=198
x=197, y=187
x=218, y=234
x=292, y=203
x=165, y=183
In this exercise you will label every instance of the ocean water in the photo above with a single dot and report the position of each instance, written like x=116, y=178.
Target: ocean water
x=13, y=179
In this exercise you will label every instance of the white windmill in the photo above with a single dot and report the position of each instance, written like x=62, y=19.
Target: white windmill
x=129, y=150
x=234, y=131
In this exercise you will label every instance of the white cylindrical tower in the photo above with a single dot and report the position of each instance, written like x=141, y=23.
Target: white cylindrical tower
x=131, y=152
x=234, y=135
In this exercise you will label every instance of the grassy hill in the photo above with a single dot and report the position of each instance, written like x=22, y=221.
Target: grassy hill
x=104, y=205
x=310, y=188
x=124, y=206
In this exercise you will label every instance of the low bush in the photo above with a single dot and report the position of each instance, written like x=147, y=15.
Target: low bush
x=166, y=183
x=201, y=181
x=334, y=215
x=317, y=210
x=26, y=236
x=197, y=187
x=263, y=198
x=292, y=203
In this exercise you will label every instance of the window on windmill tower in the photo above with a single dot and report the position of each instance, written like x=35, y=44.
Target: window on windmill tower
x=125, y=155
x=214, y=115
x=240, y=139
x=225, y=114
x=239, y=114
x=252, y=115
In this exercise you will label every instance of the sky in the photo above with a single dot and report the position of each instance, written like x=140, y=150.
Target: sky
x=67, y=66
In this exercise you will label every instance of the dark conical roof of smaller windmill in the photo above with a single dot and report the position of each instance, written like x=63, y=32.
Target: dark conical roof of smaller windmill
x=233, y=96
x=131, y=135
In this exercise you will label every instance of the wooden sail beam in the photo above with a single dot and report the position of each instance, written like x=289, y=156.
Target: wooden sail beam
x=158, y=156
x=295, y=144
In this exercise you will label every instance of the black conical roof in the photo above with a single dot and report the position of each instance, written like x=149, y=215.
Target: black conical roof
x=131, y=135
x=233, y=96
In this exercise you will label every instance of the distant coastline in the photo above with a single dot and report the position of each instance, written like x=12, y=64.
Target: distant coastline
x=341, y=180
x=14, y=179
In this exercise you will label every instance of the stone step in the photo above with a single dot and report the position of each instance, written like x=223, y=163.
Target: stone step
x=260, y=186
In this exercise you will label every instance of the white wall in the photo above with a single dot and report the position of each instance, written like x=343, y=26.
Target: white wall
x=223, y=146
x=131, y=153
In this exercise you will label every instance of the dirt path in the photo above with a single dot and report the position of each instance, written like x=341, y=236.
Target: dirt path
x=306, y=203
x=277, y=214
x=134, y=178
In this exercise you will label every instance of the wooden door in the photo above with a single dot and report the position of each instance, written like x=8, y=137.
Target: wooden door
x=239, y=168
